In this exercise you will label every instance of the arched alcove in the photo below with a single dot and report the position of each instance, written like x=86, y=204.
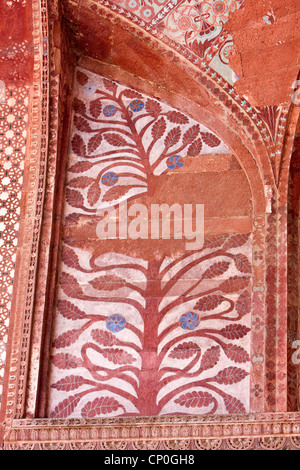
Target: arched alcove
x=228, y=179
x=150, y=325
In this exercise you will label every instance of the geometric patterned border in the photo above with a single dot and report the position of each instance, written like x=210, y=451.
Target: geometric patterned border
x=263, y=431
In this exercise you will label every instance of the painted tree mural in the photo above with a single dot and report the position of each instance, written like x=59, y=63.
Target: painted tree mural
x=141, y=331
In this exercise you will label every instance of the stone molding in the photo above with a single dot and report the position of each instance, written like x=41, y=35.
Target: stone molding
x=266, y=431
x=263, y=431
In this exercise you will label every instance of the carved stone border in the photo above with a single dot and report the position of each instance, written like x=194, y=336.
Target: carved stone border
x=257, y=431
x=254, y=431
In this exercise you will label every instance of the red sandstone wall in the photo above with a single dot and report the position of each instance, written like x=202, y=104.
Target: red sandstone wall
x=16, y=71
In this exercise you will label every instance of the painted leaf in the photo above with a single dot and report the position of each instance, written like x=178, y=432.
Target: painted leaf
x=108, y=282
x=78, y=146
x=79, y=106
x=230, y=375
x=172, y=137
x=210, y=139
x=115, y=139
x=243, y=304
x=80, y=167
x=109, y=85
x=215, y=241
x=70, y=258
x=82, y=78
x=94, y=142
x=199, y=48
x=236, y=353
x=234, y=331
x=69, y=310
x=66, y=361
x=74, y=198
x=115, y=192
x=195, y=399
x=177, y=117
x=210, y=358
x=81, y=124
x=105, y=338
x=70, y=285
x=66, y=339
x=158, y=129
x=118, y=356
x=153, y=107
x=100, y=406
x=242, y=263
x=236, y=240
x=217, y=269
x=195, y=148
x=191, y=134
x=184, y=350
x=131, y=94
x=94, y=193
x=234, y=284
x=80, y=182
x=65, y=408
x=72, y=382
x=96, y=107
x=233, y=405
x=209, y=302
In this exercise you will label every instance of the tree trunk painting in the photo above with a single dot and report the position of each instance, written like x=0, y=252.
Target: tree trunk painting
x=144, y=327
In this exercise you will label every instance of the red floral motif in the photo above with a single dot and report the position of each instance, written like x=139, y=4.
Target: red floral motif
x=132, y=5
x=200, y=26
x=147, y=13
x=182, y=20
x=217, y=11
